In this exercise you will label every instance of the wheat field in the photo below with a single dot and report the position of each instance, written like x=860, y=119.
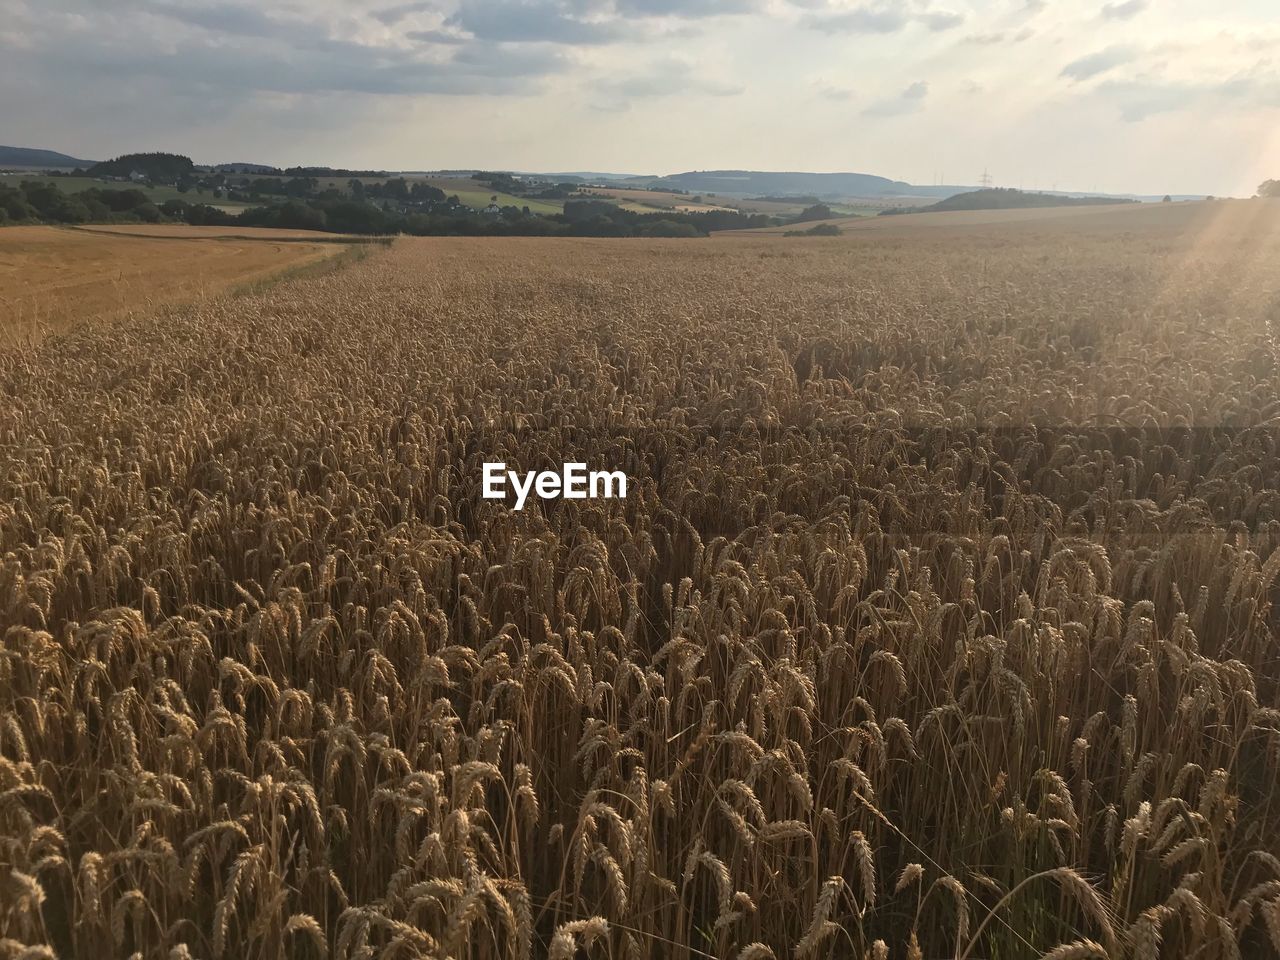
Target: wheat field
x=938, y=622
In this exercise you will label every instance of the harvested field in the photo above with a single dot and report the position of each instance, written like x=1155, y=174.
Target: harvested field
x=939, y=619
x=1192, y=219
x=477, y=195
x=651, y=201
x=186, y=231
x=53, y=278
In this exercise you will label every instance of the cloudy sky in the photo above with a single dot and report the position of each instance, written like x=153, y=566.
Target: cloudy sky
x=1119, y=95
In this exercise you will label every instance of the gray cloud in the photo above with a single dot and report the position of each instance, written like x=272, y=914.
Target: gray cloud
x=196, y=67
x=1098, y=63
x=685, y=9
x=187, y=58
x=183, y=50
x=998, y=37
x=908, y=101
x=1251, y=90
x=867, y=19
x=1123, y=11
x=523, y=21
x=437, y=36
x=1139, y=99
x=1257, y=87
x=239, y=20
x=390, y=16
x=570, y=22
x=667, y=78
x=879, y=17
x=940, y=20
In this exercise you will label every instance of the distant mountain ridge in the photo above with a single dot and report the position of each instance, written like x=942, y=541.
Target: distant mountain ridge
x=824, y=186
x=30, y=157
x=729, y=183
x=1004, y=198
x=758, y=183
x=588, y=176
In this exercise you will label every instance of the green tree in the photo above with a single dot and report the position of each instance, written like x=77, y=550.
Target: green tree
x=1269, y=188
x=42, y=196
x=69, y=210
x=296, y=215
x=668, y=228
x=424, y=191
x=352, y=217
x=14, y=204
x=819, y=211
x=122, y=200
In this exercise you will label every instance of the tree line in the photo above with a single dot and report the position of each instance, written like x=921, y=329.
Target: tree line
x=422, y=210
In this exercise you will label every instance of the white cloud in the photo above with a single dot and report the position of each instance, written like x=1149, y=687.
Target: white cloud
x=879, y=17
x=908, y=101
x=1098, y=63
x=939, y=20
x=1123, y=11
x=656, y=85
x=668, y=77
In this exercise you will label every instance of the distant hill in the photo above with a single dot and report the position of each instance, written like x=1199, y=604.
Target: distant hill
x=587, y=176
x=756, y=183
x=28, y=157
x=1005, y=198
x=814, y=187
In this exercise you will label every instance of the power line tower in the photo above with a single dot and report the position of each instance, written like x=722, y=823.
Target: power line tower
x=985, y=180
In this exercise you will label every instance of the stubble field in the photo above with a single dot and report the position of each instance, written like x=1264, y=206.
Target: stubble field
x=55, y=278
x=938, y=622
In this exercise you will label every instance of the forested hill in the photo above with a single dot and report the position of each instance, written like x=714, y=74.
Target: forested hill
x=166, y=167
x=763, y=183
x=1004, y=198
x=29, y=157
